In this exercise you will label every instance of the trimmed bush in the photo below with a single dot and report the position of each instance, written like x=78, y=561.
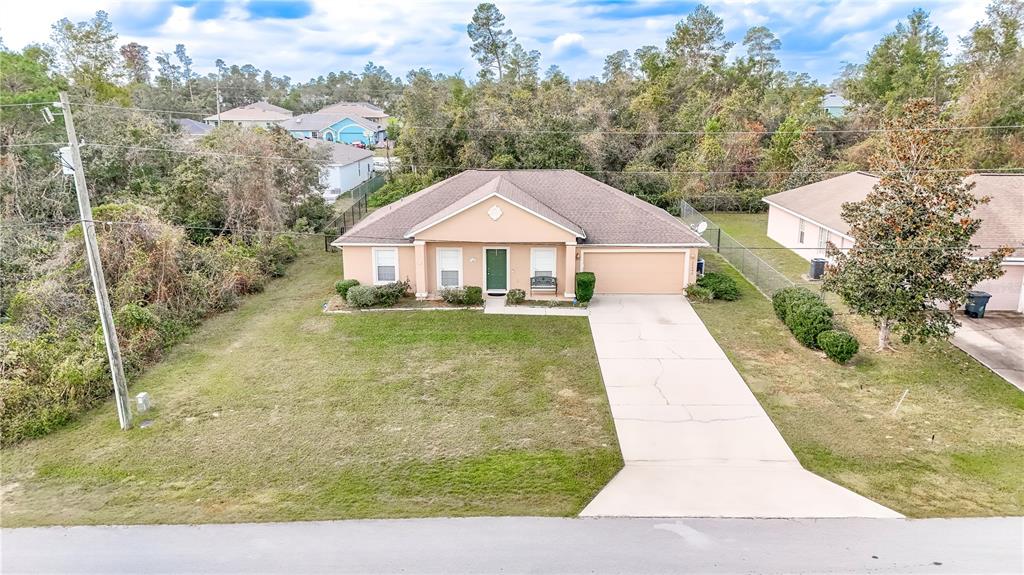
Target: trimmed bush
x=515, y=296
x=343, y=286
x=454, y=296
x=474, y=295
x=785, y=297
x=699, y=293
x=585, y=283
x=389, y=294
x=839, y=346
x=361, y=296
x=807, y=318
x=722, y=287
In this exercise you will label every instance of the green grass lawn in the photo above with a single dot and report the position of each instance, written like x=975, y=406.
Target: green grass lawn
x=954, y=448
x=749, y=230
x=278, y=412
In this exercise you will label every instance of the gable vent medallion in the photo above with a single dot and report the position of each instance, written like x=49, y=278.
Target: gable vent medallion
x=494, y=212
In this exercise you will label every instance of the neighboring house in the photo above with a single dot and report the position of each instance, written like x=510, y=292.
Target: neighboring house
x=526, y=229
x=257, y=114
x=336, y=128
x=805, y=219
x=192, y=128
x=835, y=105
x=348, y=167
x=357, y=110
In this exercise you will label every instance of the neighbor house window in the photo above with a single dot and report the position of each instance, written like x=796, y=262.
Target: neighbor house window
x=822, y=238
x=543, y=262
x=800, y=232
x=385, y=265
x=449, y=267
x=315, y=134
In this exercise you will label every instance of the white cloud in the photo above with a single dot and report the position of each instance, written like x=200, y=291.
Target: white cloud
x=567, y=42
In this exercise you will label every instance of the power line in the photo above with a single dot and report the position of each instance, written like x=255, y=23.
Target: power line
x=46, y=103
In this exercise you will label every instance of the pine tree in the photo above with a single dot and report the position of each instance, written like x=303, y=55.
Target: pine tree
x=912, y=261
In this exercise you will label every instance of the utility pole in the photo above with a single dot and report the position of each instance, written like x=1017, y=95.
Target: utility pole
x=96, y=271
x=218, y=103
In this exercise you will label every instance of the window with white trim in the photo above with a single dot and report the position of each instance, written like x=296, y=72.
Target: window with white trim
x=822, y=238
x=543, y=262
x=449, y=267
x=800, y=232
x=385, y=265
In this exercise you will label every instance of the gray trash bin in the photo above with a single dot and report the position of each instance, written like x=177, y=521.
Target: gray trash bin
x=817, y=268
x=976, y=302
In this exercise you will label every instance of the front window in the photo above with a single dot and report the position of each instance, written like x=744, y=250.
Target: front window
x=543, y=262
x=315, y=134
x=449, y=267
x=385, y=265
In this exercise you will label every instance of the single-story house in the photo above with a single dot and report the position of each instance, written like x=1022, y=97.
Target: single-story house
x=525, y=229
x=807, y=218
x=348, y=167
x=834, y=105
x=258, y=114
x=357, y=110
x=336, y=128
x=192, y=128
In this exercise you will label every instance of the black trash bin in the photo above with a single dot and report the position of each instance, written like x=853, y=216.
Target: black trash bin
x=976, y=302
x=700, y=267
x=817, y=268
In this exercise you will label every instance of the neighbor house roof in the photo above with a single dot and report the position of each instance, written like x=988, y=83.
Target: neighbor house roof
x=1002, y=217
x=360, y=109
x=595, y=212
x=833, y=100
x=193, y=127
x=319, y=121
x=255, y=112
x=341, y=154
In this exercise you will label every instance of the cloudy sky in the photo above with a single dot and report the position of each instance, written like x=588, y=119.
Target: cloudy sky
x=304, y=39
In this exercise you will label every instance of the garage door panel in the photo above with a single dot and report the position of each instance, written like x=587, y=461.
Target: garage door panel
x=636, y=272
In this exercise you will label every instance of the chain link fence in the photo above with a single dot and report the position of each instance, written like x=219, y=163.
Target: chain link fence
x=765, y=278
x=348, y=218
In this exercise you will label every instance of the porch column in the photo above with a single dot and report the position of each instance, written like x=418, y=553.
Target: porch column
x=420, y=247
x=570, y=271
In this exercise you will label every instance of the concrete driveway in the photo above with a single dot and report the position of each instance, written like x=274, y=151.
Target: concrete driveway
x=997, y=341
x=695, y=440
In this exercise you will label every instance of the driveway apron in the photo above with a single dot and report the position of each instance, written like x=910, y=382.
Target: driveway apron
x=696, y=442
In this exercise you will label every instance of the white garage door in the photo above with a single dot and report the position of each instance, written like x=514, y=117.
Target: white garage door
x=637, y=272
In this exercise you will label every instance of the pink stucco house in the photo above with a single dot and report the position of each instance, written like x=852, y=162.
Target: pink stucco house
x=526, y=229
x=807, y=218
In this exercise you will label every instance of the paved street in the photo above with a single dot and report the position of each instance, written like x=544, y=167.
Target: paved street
x=518, y=545
x=694, y=438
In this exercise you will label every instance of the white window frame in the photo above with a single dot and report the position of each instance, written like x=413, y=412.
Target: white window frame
x=376, y=251
x=822, y=239
x=437, y=259
x=800, y=232
x=533, y=261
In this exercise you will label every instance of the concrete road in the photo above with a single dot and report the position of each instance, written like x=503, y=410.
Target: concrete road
x=534, y=545
x=694, y=438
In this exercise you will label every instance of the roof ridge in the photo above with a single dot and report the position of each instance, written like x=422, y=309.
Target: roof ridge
x=541, y=202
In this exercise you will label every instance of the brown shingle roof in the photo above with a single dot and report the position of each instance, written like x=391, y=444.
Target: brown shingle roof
x=1002, y=217
x=601, y=213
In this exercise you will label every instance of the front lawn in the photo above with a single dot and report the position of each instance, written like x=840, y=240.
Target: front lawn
x=277, y=411
x=955, y=447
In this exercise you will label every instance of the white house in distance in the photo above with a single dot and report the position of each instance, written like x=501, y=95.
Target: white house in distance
x=807, y=218
x=258, y=114
x=835, y=105
x=348, y=167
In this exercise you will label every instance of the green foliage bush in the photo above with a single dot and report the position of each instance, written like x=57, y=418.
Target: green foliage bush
x=785, y=297
x=343, y=286
x=361, y=296
x=585, y=284
x=699, y=293
x=399, y=186
x=389, y=294
x=807, y=318
x=839, y=346
x=453, y=296
x=722, y=287
x=474, y=295
x=515, y=296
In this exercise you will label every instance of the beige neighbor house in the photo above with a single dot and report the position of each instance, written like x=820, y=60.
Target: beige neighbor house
x=807, y=218
x=526, y=229
x=257, y=114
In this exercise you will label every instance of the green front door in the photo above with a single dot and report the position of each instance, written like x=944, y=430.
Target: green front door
x=497, y=269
